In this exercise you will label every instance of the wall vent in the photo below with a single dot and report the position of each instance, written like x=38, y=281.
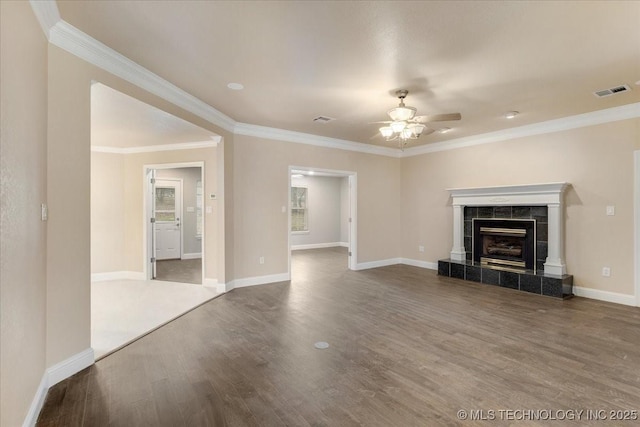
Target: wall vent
x=323, y=119
x=612, y=91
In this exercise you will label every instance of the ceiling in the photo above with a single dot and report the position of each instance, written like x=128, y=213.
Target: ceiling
x=300, y=60
x=120, y=121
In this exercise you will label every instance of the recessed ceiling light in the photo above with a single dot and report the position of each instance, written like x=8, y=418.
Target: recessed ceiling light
x=510, y=114
x=235, y=86
x=444, y=130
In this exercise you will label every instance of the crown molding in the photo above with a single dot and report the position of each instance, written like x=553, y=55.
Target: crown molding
x=47, y=13
x=155, y=148
x=76, y=42
x=310, y=139
x=614, y=114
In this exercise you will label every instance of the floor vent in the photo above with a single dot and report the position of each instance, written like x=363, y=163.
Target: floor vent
x=612, y=91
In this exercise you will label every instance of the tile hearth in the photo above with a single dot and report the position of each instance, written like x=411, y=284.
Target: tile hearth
x=527, y=281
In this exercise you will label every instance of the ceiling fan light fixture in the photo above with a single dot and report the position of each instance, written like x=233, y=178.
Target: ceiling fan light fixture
x=511, y=114
x=405, y=125
x=402, y=113
x=398, y=126
x=416, y=129
x=386, y=131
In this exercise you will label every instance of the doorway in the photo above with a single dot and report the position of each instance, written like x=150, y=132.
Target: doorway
x=174, y=218
x=322, y=212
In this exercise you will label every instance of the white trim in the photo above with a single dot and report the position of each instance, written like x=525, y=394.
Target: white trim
x=509, y=195
x=76, y=42
x=310, y=139
x=604, y=296
x=257, y=280
x=379, y=263
x=37, y=403
x=417, y=263
x=319, y=246
x=608, y=115
x=194, y=255
x=636, y=224
x=117, y=275
x=47, y=14
x=155, y=148
x=66, y=368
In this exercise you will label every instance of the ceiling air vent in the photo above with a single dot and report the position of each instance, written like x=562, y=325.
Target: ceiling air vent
x=323, y=119
x=612, y=91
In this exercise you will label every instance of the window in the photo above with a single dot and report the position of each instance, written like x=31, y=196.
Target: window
x=299, y=209
x=165, y=204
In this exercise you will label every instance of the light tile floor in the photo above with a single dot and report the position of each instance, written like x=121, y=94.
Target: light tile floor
x=124, y=310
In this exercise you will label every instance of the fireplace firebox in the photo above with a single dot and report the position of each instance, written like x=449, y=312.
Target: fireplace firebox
x=506, y=244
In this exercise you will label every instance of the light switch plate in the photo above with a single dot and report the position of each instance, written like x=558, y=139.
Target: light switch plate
x=611, y=210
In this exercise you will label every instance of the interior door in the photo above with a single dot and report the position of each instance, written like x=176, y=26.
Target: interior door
x=167, y=214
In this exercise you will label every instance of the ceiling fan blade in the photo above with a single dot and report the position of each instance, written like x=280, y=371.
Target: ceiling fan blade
x=427, y=131
x=438, y=118
x=387, y=121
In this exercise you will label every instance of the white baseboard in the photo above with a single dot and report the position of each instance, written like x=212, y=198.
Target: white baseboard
x=37, y=403
x=117, y=275
x=194, y=255
x=615, y=297
x=257, y=280
x=319, y=246
x=52, y=376
x=417, y=263
x=70, y=366
x=379, y=263
x=213, y=283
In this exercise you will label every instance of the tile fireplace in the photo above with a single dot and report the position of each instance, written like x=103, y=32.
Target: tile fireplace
x=510, y=236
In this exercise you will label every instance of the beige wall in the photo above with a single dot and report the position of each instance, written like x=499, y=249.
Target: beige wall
x=23, y=152
x=596, y=160
x=68, y=255
x=261, y=190
x=107, y=212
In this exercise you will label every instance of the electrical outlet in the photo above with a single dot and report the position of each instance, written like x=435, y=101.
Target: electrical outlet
x=606, y=271
x=261, y=260
x=420, y=248
x=611, y=210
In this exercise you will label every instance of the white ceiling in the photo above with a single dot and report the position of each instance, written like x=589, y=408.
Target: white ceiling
x=120, y=121
x=299, y=60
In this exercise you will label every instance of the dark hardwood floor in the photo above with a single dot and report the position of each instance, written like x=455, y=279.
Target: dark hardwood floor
x=180, y=270
x=407, y=348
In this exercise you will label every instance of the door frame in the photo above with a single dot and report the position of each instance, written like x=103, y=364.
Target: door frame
x=147, y=241
x=353, y=211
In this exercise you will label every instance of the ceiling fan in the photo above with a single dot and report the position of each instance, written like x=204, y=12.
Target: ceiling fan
x=405, y=125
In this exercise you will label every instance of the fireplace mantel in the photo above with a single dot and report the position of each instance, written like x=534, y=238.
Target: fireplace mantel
x=548, y=194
